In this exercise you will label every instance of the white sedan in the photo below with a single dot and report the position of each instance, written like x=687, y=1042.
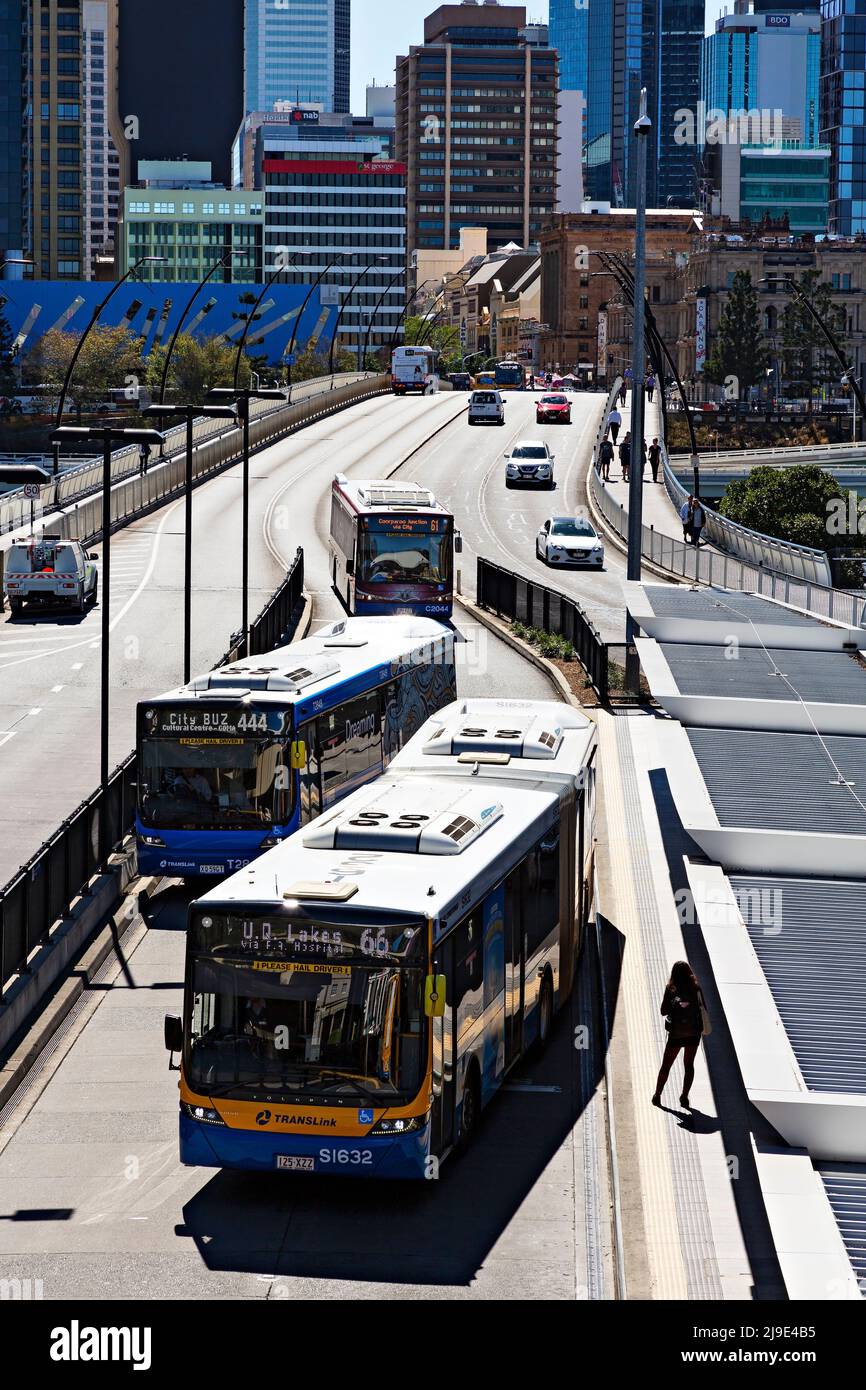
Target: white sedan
x=569, y=540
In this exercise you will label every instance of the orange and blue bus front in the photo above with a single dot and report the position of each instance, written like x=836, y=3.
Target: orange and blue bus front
x=306, y=1047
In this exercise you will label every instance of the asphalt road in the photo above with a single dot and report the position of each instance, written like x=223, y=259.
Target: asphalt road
x=94, y=1198
x=50, y=663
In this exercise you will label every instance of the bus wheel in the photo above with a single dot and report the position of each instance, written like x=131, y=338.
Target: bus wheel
x=470, y=1112
x=545, y=1015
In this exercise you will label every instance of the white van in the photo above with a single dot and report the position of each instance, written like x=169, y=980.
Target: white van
x=486, y=408
x=46, y=571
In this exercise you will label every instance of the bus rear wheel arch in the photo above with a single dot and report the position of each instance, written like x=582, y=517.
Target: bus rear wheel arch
x=470, y=1110
x=545, y=1013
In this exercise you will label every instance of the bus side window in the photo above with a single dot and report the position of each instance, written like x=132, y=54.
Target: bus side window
x=541, y=889
x=468, y=971
x=389, y=708
x=332, y=755
x=310, y=788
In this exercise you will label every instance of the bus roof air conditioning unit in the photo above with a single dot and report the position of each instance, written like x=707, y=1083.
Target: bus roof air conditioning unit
x=506, y=734
x=409, y=819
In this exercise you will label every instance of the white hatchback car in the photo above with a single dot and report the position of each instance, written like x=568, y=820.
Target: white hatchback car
x=529, y=461
x=569, y=540
x=486, y=408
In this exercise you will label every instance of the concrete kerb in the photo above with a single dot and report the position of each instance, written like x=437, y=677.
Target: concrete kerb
x=501, y=630
x=602, y=524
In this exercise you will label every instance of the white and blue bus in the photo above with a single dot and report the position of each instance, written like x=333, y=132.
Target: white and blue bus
x=355, y=997
x=235, y=761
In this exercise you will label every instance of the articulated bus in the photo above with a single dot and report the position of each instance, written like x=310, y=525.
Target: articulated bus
x=356, y=997
x=414, y=369
x=510, y=376
x=235, y=761
x=392, y=548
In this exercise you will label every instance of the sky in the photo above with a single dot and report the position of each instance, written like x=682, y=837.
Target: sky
x=383, y=28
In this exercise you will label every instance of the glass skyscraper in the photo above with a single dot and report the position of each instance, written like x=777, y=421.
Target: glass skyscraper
x=843, y=111
x=11, y=114
x=609, y=49
x=296, y=51
x=753, y=62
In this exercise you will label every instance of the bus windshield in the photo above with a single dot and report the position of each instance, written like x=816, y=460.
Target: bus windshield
x=215, y=783
x=509, y=374
x=392, y=555
x=332, y=1015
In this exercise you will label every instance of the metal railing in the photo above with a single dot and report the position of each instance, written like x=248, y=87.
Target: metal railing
x=773, y=451
x=266, y=422
x=44, y=889
x=705, y=566
x=521, y=600
x=756, y=548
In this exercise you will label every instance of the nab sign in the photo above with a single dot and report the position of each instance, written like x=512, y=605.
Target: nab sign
x=301, y=117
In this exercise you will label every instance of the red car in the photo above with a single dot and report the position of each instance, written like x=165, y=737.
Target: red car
x=554, y=409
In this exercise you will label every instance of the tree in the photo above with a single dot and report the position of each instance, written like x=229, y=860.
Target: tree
x=738, y=349
x=809, y=362
x=110, y=360
x=309, y=364
x=8, y=356
x=789, y=503
x=444, y=337
x=197, y=366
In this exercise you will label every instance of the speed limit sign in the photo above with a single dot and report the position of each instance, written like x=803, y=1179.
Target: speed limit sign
x=31, y=490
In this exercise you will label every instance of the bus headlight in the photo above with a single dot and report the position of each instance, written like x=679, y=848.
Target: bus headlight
x=400, y=1126
x=269, y=841
x=153, y=841
x=200, y=1113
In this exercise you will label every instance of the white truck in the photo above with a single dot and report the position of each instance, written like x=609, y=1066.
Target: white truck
x=46, y=571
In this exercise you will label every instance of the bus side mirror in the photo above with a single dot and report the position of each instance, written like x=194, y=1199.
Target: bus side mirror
x=350, y=566
x=434, y=996
x=298, y=756
x=458, y=543
x=173, y=1033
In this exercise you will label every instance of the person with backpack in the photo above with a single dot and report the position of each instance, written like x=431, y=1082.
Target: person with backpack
x=650, y=386
x=605, y=457
x=686, y=1021
x=625, y=456
x=686, y=518
x=614, y=420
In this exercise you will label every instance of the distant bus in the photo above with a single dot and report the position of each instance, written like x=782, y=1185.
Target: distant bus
x=414, y=369
x=239, y=758
x=356, y=996
x=391, y=547
x=509, y=376
x=485, y=381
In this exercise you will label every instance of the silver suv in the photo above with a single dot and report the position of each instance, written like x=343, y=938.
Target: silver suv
x=45, y=571
x=530, y=461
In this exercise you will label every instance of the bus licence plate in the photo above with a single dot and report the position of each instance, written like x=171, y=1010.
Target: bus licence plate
x=296, y=1165
x=212, y=868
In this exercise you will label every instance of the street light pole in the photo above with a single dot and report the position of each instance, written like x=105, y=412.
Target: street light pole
x=376, y=309
x=290, y=351
x=849, y=374
x=189, y=412
x=107, y=434
x=354, y=285
x=642, y=129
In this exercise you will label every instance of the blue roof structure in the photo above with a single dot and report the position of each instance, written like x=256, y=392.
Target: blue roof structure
x=152, y=309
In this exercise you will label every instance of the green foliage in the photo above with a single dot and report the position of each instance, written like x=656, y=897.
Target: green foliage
x=738, y=348
x=809, y=361
x=8, y=356
x=110, y=360
x=444, y=337
x=550, y=644
x=197, y=366
x=790, y=503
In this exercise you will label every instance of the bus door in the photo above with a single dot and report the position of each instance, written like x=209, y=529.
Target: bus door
x=514, y=967
x=310, y=799
x=443, y=1054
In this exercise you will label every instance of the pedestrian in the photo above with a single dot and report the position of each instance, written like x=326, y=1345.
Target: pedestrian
x=606, y=457
x=686, y=518
x=650, y=386
x=625, y=456
x=143, y=456
x=655, y=458
x=698, y=519
x=643, y=458
x=686, y=1021
x=622, y=391
x=614, y=420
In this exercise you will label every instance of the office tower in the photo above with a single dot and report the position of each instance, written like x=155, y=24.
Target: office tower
x=181, y=79
x=105, y=148
x=673, y=34
x=766, y=63
x=297, y=53
x=11, y=117
x=476, y=127
x=843, y=111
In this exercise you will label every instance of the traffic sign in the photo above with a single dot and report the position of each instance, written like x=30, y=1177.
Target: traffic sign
x=31, y=490
x=290, y=359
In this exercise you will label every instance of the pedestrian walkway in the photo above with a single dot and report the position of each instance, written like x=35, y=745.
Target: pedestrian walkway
x=658, y=510
x=693, y=1218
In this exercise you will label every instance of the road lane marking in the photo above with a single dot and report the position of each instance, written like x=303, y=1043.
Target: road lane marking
x=6, y=737
x=76, y=665
x=56, y=689
x=31, y=712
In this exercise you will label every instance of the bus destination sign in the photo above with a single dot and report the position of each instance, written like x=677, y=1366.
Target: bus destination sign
x=194, y=722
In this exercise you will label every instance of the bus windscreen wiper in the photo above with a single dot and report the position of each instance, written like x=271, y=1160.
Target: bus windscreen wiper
x=357, y=1088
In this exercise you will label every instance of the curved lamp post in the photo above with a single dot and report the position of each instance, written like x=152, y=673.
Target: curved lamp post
x=351, y=290
x=223, y=261
x=849, y=373
x=318, y=280
x=376, y=309
x=409, y=302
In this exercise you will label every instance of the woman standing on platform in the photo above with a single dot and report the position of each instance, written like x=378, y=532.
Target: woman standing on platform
x=686, y=1021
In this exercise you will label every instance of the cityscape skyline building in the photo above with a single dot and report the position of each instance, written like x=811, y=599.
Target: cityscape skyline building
x=296, y=53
